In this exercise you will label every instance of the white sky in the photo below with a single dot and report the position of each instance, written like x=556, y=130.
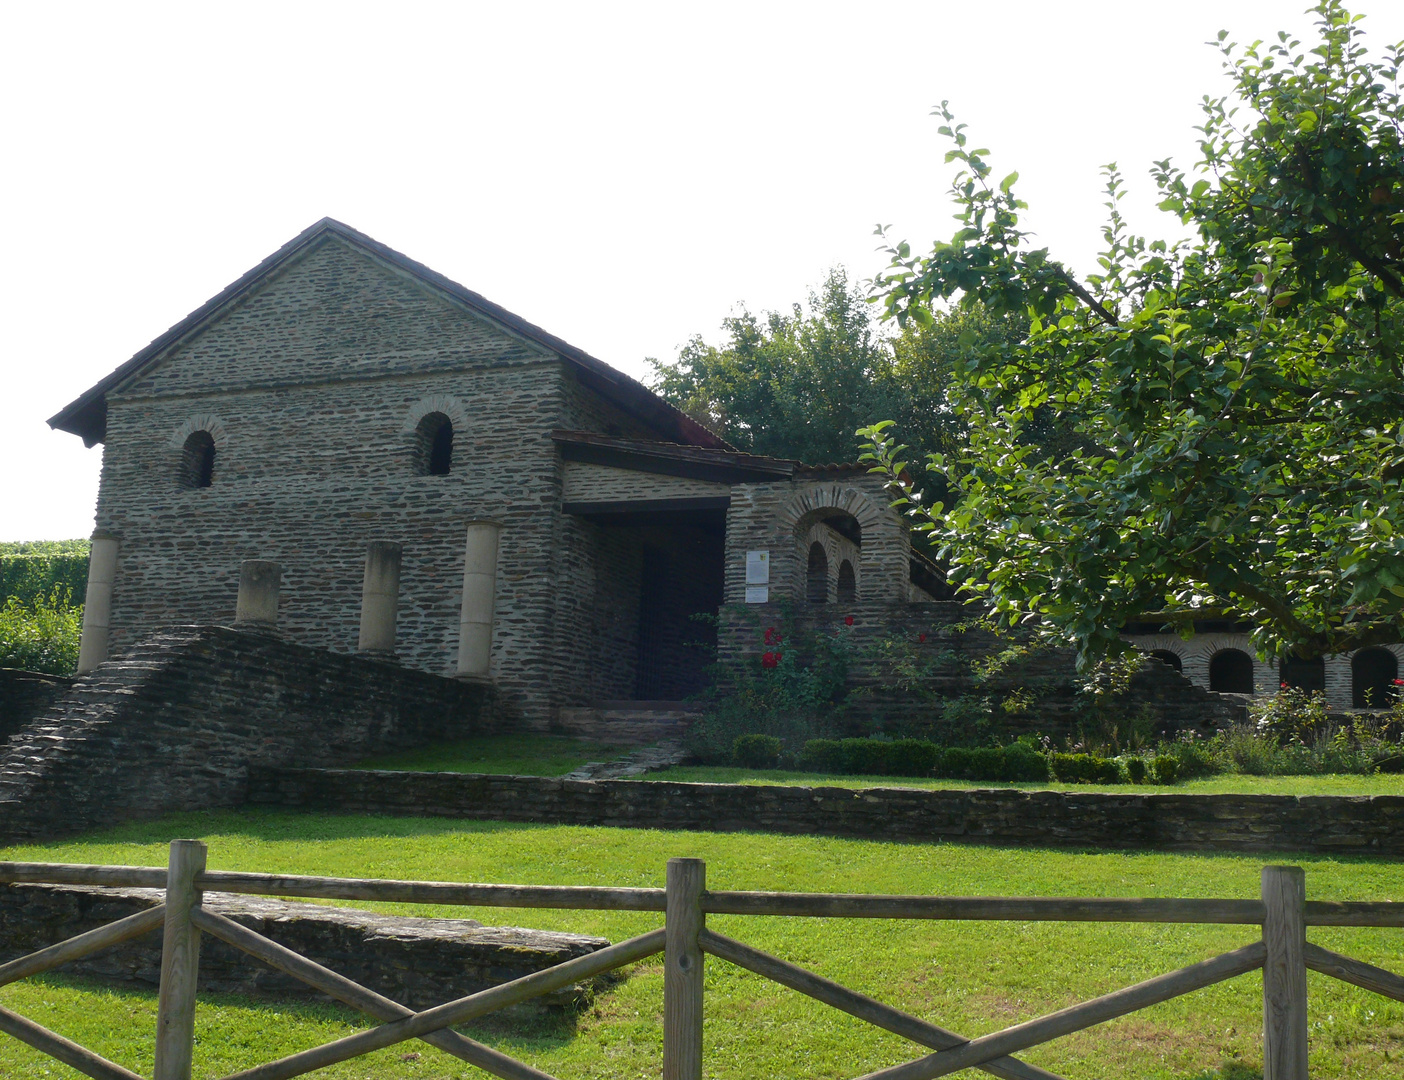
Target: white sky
x=622, y=175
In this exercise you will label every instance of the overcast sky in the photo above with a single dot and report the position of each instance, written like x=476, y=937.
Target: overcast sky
x=623, y=175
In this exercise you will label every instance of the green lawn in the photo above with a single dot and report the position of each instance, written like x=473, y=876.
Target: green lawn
x=512, y=755
x=1379, y=784
x=973, y=978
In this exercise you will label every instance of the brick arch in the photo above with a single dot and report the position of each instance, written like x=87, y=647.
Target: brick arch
x=436, y=403
x=803, y=509
x=200, y=422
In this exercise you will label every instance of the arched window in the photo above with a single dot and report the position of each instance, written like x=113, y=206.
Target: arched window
x=434, y=442
x=1170, y=659
x=197, y=460
x=816, y=582
x=847, y=583
x=1231, y=672
x=1372, y=675
x=1309, y=675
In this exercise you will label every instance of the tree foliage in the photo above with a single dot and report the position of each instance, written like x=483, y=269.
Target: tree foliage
x=797, y=384
x=1236, y=397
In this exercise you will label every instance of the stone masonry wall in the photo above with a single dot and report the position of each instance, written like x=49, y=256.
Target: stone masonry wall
x=1324, y=824
x=23, y=694
x=418, y=962
x=176, y=722
x=931, y=637
x=311, y=388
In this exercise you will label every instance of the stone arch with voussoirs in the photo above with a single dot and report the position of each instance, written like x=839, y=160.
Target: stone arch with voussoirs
x=881, y=566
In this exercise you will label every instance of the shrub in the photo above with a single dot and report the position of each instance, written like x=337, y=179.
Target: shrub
x=1085, y=769
x=34, y=570
x=1004, y=764
x=1193, y=756
x=756, y=751
x=1165, y=769
x=869, y=757
x=1136, y=770
x=42, y=635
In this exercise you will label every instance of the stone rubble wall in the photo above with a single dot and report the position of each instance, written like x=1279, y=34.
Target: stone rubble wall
x=23, y=694
x=1158, y=696
x=419, y=962
x=175, y=723
x=1368, y=825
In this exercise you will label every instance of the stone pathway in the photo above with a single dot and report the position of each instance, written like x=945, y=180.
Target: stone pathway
x=639, y=762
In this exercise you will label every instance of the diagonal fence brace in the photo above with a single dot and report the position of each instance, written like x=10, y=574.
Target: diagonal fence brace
x=61, y=1049
x=863, y=1007
x=357, y=996
x=81, y=945
x=1064, y=1022
x=459, y=1011
x=1355, y=972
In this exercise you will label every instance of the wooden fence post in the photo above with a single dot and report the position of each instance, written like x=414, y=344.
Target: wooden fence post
x=180, y=963
x=682, y=971
x=1284, y=974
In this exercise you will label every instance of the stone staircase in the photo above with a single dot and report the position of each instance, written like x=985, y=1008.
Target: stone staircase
x=628, y=723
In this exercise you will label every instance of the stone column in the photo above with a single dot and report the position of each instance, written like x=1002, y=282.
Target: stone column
x=259, y=582
x=479, y=599
x=380, y=598
x=97, y=607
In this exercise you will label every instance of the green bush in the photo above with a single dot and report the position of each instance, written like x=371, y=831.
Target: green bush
x=1136, y=770
x=1085, y=769
x=34, y=570
x=41, y=635
x=1006, y=764
x=756, y=751
x=1165, y=769
x=869, y=757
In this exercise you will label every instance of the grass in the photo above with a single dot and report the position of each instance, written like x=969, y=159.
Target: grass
x=1342, y=784
x=512, y=755
x=972, y=978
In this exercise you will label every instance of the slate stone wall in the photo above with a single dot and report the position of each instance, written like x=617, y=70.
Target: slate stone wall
x=312, y=388
x=176, y=723
x=1370, y=825
x=418, y=962
x=23, y=694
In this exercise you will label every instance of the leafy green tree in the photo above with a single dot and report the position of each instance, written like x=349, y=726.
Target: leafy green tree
x=42, y=634
x=1236, y=398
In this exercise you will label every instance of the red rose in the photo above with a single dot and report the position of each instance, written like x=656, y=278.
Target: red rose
x=848, y=620
x=1284, y=686
x=770, y=635
x=921, y=639
x=1399, y=682
x=770, y=660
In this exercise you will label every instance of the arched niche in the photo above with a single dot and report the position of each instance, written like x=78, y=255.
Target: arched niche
x=1231, y=672
x=1372, y=675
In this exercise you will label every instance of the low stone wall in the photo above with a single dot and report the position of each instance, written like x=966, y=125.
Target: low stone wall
x=1370, y=825
x=23, y=694
x=417, y=962
x=174, y=724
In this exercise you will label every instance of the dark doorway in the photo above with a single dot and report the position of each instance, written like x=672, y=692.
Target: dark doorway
x=680, y=577
x=1171, y=659
x=1299, y=674
x=1231, y=672
x=1372, y=675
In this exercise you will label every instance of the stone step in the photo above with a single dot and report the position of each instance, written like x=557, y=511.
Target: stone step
x=627, y=722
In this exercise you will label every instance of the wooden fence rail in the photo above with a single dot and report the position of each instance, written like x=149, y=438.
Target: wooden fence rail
x=1282, y=953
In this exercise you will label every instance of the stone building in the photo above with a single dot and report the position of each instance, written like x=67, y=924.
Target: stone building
x=437, y=478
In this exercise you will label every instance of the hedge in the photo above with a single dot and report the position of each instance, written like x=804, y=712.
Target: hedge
x=27, y=574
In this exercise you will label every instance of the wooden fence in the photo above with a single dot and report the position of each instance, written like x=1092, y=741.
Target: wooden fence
x=1281, y=952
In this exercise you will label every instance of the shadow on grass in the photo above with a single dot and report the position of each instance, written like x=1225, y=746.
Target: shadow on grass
x=520, y=1028
x=1229, y=1070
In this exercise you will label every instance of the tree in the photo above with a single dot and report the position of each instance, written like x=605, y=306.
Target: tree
x=1236, y=398
x=796, y=385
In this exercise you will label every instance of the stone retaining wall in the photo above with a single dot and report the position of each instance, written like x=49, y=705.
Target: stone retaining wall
x=1370, y=825
x=417, y=962
x=23, y=694
x=175, y=722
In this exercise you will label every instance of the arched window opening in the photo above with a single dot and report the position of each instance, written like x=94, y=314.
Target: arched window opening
x=1372, y=675
x=434, y=437
x=197, y=460
x=1231, y=672
x=847, y=583
x=1299, y=674
x=1170, y=659
x=816, y=582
